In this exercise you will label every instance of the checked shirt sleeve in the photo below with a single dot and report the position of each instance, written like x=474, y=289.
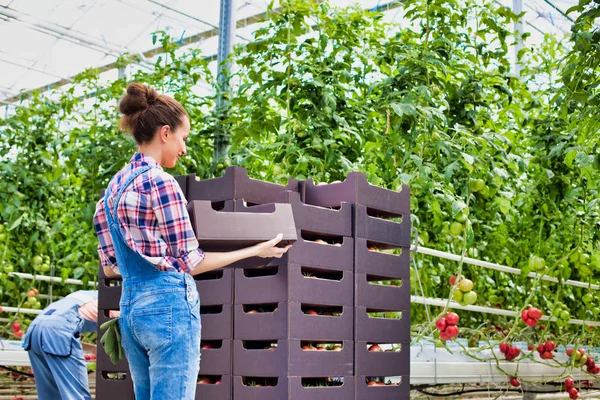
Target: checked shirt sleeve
x=174, y=224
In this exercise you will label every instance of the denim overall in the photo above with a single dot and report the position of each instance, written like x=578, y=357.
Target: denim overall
x=54, y=349
x=159, y=321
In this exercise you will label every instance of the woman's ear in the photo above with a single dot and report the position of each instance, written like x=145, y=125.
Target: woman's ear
x=164, y=133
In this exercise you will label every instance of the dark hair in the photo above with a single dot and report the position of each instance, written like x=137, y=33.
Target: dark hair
x=145, y=111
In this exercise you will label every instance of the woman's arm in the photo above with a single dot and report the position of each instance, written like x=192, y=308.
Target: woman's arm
x=267, y=249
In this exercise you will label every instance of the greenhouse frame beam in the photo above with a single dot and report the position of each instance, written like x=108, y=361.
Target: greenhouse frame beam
x=73, y=36
x=178, y=12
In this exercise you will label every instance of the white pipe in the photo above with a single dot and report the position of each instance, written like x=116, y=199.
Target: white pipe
x=51, y=279
x=20, y=310
x=498, y=267
x=487, y=310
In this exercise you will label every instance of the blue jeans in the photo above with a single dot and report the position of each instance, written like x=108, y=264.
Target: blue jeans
x=56, y=357
x=160, y=332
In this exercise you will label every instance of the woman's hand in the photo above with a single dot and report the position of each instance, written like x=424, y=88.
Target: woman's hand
x=269, y=249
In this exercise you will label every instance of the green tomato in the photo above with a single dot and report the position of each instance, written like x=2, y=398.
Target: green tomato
x=277, y=170
x=466, y=285
x=584, y=258
x=456, y=228
x=2, y=237
x=596, y=310
x=470, y=297
x=2, y=228
x=588, y=298
x=37, y=306
x=424, y=236
x=457, y=295
x=477, y=185
x=32, y=300
x=45, y=267
x=565, y=315
x=37, y=260
x=493, y=299
x=27, y=305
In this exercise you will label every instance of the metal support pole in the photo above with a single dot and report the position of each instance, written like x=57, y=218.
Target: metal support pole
x=227, y=27
x=518, y=9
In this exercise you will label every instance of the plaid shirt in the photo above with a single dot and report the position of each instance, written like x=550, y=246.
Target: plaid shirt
x=153, y=218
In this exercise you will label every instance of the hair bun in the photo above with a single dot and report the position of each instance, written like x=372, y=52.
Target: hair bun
x=137, y=99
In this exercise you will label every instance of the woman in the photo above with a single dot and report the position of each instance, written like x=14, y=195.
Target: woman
x=53, y=346
x=146, y=235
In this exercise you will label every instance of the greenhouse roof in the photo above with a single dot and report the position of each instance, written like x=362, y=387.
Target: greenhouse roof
x=45, y=43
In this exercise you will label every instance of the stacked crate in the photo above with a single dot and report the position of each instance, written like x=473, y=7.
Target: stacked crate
x=382, y=282
x=217, y=301
x=307, y=302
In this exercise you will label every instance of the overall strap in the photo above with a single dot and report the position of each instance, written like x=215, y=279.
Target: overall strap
x=134, y=175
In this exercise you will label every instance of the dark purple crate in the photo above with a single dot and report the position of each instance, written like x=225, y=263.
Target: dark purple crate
x=229, y=230
x=309, y=253
x=253, y=285
x=217, y=326
x=220, y=391
x=321, y=363
x=381, y=296
x=387, y=234
x=182, y=180
x=382, y=264
x=292, y=389
x=317, y=289
x=262, y=325
x=357, y=190
x=216, y=361
x=384, y=363
x=215, y=287
x=337, y=222
x=264, y=362
x=388, y=392
x=108, y=296
x=382, y=330
x=235, y=184
x=242, y=391
x=300, y=392
x=112, y=389
x=288, y=358
x=320, y=327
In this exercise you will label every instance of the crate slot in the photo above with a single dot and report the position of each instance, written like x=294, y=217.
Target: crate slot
x=114, y=376
x=107, y=313
x=260, y=272
x=379, y=280
x=210, y=344
x=379, y=214
x=218, y=309
x=259, y=344
x=318, y=273
x=383, y=248
x=113, y=282
x=209, y=379
x=384, y=314
x=322, y=310
x=210, y=275
x=259, y=381
x=314, y=345
x=322, y=238
x=319, y=382
x=378, y=381
x=259, y=308
x=385, y=347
